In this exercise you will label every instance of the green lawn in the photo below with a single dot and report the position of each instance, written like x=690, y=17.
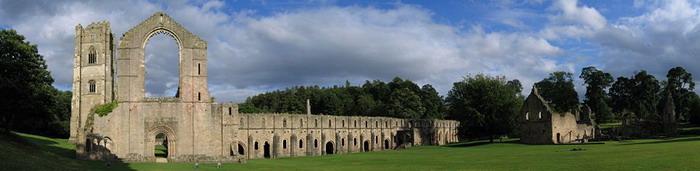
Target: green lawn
x=43, y=153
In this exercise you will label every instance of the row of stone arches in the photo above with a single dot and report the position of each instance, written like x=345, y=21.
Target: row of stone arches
x=310, y=145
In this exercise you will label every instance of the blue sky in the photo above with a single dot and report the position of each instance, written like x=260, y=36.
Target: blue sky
x=257, y=46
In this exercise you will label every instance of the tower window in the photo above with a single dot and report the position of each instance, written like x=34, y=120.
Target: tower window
x=91, y=86
x=199, y=96
x=199, y=69
x=92, y=56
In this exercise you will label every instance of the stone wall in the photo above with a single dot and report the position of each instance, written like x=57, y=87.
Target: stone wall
x=196, y=129
x=539, y=124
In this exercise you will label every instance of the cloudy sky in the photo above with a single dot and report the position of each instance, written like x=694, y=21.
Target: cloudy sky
x=259, y=45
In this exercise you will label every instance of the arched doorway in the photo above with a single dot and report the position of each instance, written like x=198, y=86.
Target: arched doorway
x=558, y=138
x=241, y=150
x=386, y=144
x=266, y=154
x=161, y=146
x=365, y=146
x=329, y=148
x=161, y=141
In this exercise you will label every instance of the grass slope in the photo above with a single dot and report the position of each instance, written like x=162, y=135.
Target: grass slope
x=41, y=153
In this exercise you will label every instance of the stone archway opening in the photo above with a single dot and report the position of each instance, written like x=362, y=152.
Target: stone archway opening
x=161, y=65
x=266, y=149
x=365, y=146
x=558, y=138
x=386, y=144
x=241, y=150
x=329, y=148
x=161, y=146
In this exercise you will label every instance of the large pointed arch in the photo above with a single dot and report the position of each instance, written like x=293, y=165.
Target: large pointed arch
x=131, y=60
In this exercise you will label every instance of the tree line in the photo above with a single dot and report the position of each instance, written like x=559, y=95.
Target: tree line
x=487, y=106
x=399, y=98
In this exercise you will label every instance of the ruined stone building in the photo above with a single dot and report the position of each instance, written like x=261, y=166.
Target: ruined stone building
x=191, y=125
x=539, y=124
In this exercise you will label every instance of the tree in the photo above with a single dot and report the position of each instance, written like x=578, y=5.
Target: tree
x=621, y=95
x=645, y=96
x=404, y=103
x=27, y=100
x=559, y=90
x=433, y=103
x=485, y=105
x=680, y=84
x=694, y=112
x=596, y=82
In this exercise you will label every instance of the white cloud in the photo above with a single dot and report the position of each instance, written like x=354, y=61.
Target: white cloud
x=326, y=45
x=665, y=37
x=573, y=20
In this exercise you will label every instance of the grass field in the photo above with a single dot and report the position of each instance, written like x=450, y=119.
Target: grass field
x=30, y=152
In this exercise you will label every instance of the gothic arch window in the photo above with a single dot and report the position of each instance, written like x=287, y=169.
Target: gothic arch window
x=91, y=86
x=284, y=124
x=284, y=144
x=329, y=123
x=92, y=56
x=301, y=123
x=526, y=116
x=316, y=123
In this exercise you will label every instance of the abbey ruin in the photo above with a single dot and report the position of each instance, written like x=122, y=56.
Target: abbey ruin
x=191, y=125
x=540, y=124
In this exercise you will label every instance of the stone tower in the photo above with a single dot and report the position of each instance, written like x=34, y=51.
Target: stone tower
x=92, y=72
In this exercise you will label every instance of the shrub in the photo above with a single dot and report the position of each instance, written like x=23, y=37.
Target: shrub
x=104, y=109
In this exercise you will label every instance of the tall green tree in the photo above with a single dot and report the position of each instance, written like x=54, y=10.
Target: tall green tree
x=645, y=96
x=433, y=103
x=485, y=105
x=404, y=103
x=621, y=96
x=680, y=84
x=596, y=82
x=636, y=97
x=694, y=112
x=27, y=100
x=559, y=90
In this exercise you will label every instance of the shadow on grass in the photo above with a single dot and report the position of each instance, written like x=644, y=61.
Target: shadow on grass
x=666, y=141
x=482, y=142
x=50, y=146
x=54, y=148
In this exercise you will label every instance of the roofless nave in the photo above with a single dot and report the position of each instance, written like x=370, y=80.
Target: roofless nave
x=191, y=125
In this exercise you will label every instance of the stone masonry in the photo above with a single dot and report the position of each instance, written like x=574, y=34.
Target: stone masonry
x=540, y=124
x=193, y=127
